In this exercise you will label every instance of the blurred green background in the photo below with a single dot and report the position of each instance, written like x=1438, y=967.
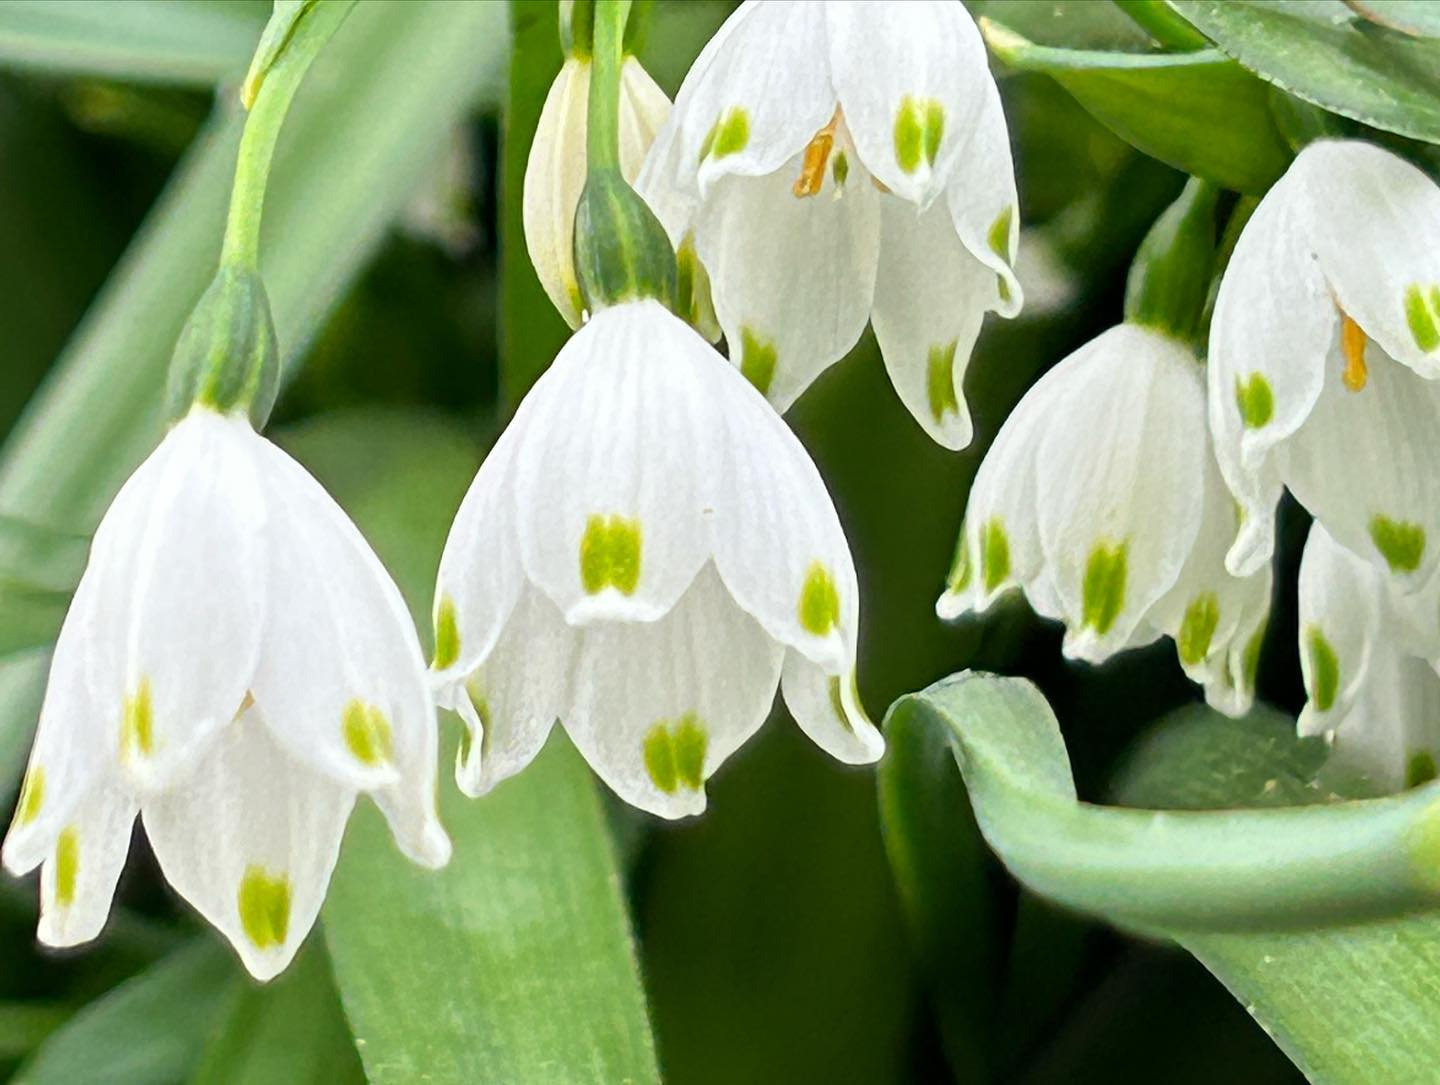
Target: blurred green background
x=770, y=940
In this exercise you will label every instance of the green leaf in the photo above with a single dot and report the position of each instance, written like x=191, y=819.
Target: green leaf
x=148, y=1031
x=24, y=1025
x=1322, y=52
x=291, y=1031
x=1198, y=111
x=363, y=131
x=162, y=41
x=514, y=963
x=1407, y=16
x=1309, y=913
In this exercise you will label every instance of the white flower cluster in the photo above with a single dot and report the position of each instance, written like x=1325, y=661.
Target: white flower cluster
x=1109, y=500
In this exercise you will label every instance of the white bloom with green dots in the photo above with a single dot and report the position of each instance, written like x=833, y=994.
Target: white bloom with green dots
x=1100, y=499
x=833, y=163
x=1369, y=654
x=645, y=554
x=236, y=666
x=1324, y=354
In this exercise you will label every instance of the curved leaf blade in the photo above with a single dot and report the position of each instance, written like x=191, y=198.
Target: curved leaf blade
x=1197, y=111
x=1321, y=52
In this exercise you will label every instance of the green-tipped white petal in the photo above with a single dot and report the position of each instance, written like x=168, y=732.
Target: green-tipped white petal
x=179, y=566
x=911, y=79
x=930, y=298
x=1374, y=226
x=984, y=205
x=77, y=880
x=250, y=838
x=792, y=277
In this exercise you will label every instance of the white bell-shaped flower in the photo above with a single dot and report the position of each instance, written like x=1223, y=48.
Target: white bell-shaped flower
x=1324, y=351
x=1369, y=657
x=646, y=552
x=836, y=162
x=555, y=170
x=1101, y=500
x=235, y=667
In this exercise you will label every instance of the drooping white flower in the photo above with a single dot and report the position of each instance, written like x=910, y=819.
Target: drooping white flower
x=1369, y=658
x=555, y=170
x=1101, y=500
x=646, y=552
x=1324, y=354
x=235, y=667
x=836, y=162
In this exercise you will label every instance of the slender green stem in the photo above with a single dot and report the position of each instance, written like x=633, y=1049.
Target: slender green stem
x=1163, y=24
x=262, y=129
x=602, y=141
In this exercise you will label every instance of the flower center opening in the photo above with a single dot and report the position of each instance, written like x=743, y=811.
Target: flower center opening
x=1352, y=344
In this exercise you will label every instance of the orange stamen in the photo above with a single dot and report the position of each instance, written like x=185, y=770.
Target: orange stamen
x=817, y=157
x=1352, y=344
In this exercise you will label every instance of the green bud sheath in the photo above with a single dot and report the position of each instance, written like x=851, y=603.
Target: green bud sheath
x=621, y=250
x=227, y=357
x=1170, y=278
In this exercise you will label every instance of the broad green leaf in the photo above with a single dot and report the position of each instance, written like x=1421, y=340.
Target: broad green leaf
x=373, y=116
x=150, y=1030
x=163, y=41
x=291, y=1030
x=1415, y=17
x=1323, y=52
x=1197, y=111
x=24, y=1025
x=1310, y=913
x=514, y=963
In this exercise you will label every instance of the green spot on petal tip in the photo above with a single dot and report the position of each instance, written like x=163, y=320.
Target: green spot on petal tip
x=1197, y=629
x=1324, y=669
x=1423, y=317
x=940, y=380
x=730, y=134
x=1256, y=401
x=1401, y=544
x=67, y=866
x=994, y=555
x=819, y=608
x=447, y=635
x=367, y=733
x=610, y=553
x=757, y=359
x=264, y=904
x=674, y=754
x=1102, y=592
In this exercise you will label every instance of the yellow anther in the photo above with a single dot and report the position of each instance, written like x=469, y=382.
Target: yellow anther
x=1352, y=343
x=817, y=157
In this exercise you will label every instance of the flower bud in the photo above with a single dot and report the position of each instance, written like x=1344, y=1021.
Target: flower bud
x=555, y=172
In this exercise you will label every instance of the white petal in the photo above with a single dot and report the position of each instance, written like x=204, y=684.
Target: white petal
x=792, y=277
x=613, y=467
x=911, y=79
x=985, y=207
x=657, y=707
x=250, y=839
x=1340, y=598
x=999, y=546
x=1213, y=616
x=757, y=94
x=77, y=882
x=71, y=748
x=480, y=575
x=1116, y=475
x=1367, y=466
x=554, y=176
x=779, y=545
x=179, y=563
x=644, y=108
x=342, y=683
x=1273, y=327
x=513, y=698
x=1374, y=222
x=828, y=709
x=1391, y=731
x=930, y=297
